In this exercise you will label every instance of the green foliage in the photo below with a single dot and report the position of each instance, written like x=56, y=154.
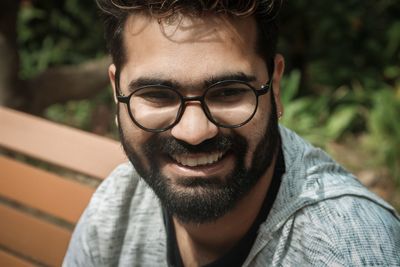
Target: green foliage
x=329, y=116
x=384, y=129
x=319, y=119
x=344, y=73
x=79, y=114
x=74, y=113
x=57, y=32
x=338, y=42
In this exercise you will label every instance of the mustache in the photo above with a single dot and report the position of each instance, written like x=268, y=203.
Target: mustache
x=170, y=145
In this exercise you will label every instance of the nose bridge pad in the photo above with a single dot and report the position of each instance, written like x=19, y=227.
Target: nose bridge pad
x=193, y=111
x=196, y=101
x=194, y=126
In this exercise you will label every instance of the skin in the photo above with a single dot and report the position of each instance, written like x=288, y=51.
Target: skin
x=190, y=51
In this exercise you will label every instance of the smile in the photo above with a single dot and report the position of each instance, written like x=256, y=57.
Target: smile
x=194, y=161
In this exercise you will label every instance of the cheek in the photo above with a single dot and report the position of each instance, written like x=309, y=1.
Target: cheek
x=254, y=131
x=133, y=135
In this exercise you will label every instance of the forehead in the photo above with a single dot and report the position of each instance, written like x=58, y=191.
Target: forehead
x=188, y=48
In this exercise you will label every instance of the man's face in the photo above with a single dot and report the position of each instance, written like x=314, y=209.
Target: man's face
x=198, y=170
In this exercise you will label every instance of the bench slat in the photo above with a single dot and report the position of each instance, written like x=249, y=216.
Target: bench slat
x=8, y=260
x=42, y=190
x=33, y=237
x=71, y=148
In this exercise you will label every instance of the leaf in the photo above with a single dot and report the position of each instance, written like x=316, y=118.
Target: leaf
x=392, y=72
x=290, y=86
x=393, y=35
x=340, y=120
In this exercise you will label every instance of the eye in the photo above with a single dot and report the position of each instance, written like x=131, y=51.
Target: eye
x=234, y=92
x=156, y=95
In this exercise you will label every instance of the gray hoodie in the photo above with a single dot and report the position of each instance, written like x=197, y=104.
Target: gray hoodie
x=322, y=216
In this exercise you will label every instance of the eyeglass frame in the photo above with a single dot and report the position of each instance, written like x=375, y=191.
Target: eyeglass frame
x=183, y=99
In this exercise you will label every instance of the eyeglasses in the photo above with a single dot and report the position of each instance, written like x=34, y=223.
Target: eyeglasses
x=157, y=108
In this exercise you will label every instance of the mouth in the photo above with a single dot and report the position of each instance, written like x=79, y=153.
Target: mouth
x=190, y=160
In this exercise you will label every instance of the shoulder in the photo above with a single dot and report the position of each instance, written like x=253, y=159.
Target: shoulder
x=99, y=236
x=324, y=216
x=114, y=197
x=353, y=230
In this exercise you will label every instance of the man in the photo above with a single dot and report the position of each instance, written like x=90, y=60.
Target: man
x=212, y=179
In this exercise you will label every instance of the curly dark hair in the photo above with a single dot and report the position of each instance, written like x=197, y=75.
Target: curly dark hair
x=115, y=13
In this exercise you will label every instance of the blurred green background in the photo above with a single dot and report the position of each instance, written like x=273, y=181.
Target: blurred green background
x=341, y=89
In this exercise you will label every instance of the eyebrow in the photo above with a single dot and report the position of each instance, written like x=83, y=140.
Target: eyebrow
x=238, y=76
x=146, y=81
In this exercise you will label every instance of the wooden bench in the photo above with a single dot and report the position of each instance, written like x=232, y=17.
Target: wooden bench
x=39, y=206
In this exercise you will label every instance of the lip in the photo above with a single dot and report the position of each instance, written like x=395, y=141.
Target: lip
x=217, y=168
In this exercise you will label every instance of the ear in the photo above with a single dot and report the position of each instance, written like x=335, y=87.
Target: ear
x=277, y=77
x=111, y=75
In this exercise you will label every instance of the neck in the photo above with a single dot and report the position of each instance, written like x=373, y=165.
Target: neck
x=200, y=244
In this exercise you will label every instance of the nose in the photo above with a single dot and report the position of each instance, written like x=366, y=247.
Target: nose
x=194, y=126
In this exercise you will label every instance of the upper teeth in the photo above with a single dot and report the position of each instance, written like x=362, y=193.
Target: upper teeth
x=199, y=160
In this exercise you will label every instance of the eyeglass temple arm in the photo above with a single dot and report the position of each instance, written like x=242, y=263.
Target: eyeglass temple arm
x=121, y=98
x=266, y=87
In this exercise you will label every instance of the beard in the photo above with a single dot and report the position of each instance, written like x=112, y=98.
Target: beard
x=201, y=200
